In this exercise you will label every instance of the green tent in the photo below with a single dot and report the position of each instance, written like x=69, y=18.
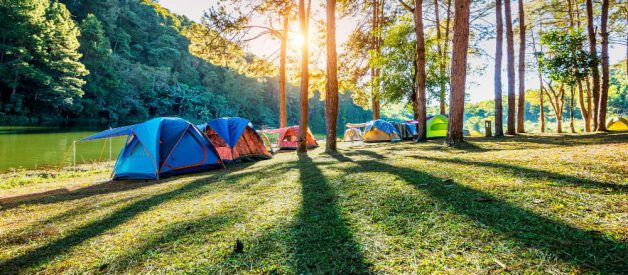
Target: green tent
x=437, y=126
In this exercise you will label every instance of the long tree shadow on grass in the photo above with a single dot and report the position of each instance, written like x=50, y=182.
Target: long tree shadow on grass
x=527, y=141
x=532, y=173
x=324, y=242
x=44, y=254
x=170, y=240
x=590, y=251
x=107, y=187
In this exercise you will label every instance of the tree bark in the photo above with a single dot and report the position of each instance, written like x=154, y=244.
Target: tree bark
x=458, y=73
x=589, y=103
x=541, y=88
x=595, y=73
x=601, y=123
x=522, y=65
x=583, y=108
x=510, y=58
x=303, y=19
x=283, y=120
x=571, y=104
x=378, y=69
x=413, y=96
x=497, y=80
x=374, y=79
x=420, y=73
x=16, y=78
x=441, y=61
x=542, y=106
x=446, y=49
x=556, y=102
x=331, y=96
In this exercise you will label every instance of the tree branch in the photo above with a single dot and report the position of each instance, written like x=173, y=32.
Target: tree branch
x=406, y=6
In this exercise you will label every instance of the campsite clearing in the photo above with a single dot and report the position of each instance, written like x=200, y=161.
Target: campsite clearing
x=525, y=204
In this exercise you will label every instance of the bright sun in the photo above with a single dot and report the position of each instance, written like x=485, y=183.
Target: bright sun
x=296, y=40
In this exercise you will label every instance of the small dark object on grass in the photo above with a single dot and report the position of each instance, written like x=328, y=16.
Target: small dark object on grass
x=483, y=199
x=238, y=247
x=103, y=267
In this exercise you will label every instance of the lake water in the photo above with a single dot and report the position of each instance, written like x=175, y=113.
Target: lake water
x=51, y=146
x=40, y=146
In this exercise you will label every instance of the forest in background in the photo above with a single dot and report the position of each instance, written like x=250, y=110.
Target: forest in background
x=130, y=60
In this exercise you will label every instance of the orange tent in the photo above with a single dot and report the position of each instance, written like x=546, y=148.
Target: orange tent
x=289, y=136
x=235, y=139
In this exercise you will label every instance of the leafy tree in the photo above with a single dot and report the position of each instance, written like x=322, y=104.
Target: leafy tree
x=40, y=56
x=565, y=62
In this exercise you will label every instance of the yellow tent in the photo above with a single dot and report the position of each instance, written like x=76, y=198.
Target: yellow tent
x=475, y=133
x=380, y=130
x=617, y=124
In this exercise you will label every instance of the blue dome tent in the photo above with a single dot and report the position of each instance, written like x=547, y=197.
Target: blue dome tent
x=161, y=147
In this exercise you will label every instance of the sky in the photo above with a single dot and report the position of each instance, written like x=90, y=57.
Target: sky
x=479, y=85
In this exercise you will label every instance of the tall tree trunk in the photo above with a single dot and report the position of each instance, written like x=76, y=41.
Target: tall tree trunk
x=510, y=58
x=420, y=73
x=374, y=79
x=441, y=61
x=305, y=77
x=413, y=96
x=4, y=42
x=559, y=123
x=542, y=106
x=446, y=51
x=589, y=103
x=541, y=88
x=331, y=96
x=522, y=67
x=556, y=102
x=16, y=78
x=378, y=69
x=601, y=123
x=497, y=80
x=283, y=119
x=458, y=73
x=595, y=71
x=571, y=104
x=583, y=108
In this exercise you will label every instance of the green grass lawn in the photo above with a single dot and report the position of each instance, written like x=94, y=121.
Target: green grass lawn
x=530, y=204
